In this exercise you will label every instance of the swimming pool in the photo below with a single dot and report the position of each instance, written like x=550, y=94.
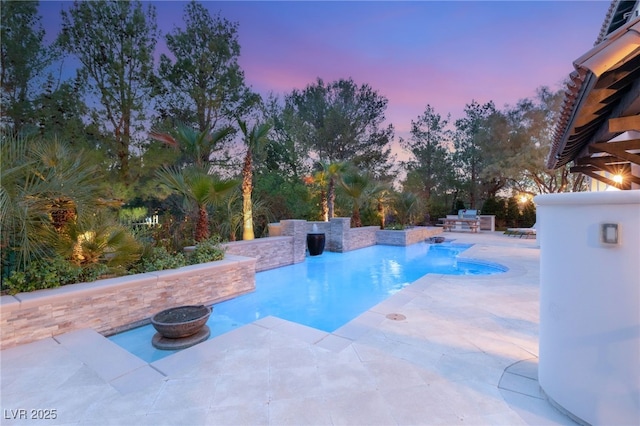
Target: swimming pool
x=327, y=291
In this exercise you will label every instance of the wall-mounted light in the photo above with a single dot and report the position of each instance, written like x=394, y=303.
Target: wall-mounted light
x=609, y=233
x=618, y=178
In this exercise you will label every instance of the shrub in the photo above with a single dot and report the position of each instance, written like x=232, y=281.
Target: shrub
x=207, y=251
x=158, y=259
x=51, y=273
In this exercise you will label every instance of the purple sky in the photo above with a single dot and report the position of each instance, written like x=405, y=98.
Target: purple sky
x=445, y=54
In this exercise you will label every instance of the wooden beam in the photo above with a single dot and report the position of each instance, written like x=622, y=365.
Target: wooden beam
x=622, y=124
x=610, y=182
x=619, y=145
x=602, y=162
x=631, y=178
x=590, y=171
x=619, y=149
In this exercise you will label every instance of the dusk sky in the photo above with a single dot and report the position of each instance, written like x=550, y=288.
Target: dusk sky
x=445, y=54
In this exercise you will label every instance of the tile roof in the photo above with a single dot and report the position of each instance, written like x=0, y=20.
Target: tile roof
x=604, y=85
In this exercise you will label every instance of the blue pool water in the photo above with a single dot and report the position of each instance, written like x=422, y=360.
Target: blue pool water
x=327, y=291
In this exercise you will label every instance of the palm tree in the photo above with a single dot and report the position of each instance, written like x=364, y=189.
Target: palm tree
x=231, y=221
x=98, y=240
x=254, y=139
x=320, y=178
x=198, y=188
x=355, y=185
x=382, y=195
x=196, y=147
x=333, y=172
x=406, y=204
x=44, y=186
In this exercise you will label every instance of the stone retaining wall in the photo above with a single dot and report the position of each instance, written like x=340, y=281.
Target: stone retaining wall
x=115, y=304
x=406, y=237
x=271, y=252
x=358, y=238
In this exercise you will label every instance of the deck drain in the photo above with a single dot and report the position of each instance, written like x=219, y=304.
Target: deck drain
x=396, y=317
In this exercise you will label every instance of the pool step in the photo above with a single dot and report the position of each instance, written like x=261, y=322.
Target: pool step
x=121, y=369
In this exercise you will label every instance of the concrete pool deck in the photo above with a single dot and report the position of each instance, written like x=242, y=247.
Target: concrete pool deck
x=445, y=350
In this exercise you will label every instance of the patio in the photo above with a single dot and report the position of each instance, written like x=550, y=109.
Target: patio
x=445, y=350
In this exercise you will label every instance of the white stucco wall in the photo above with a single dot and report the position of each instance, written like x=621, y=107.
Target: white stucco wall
x=590, y=305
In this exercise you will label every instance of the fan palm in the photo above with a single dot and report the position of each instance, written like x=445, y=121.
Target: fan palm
x=98, y=240
x=254, y=140
x=355, y=185
x=381, y=196
x=406, y=204
x=320, y=178
x=44, y=186
x=199, y=189
x=196, y=147
x=333, y=173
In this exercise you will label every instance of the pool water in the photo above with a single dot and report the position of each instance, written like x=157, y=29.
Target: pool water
x=327, y=291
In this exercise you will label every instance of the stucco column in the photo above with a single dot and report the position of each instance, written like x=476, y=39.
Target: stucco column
x=298, y=230
x=589, y=302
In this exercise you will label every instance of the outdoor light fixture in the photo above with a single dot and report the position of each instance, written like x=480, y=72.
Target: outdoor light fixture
x=617, y=178
x=609, y=233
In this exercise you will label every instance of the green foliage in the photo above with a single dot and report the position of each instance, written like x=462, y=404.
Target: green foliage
x=44, y=185
x=202, y=83
x=405, y=206
x=173, y=233
x=459, y=205
x=472, y=142
x=494, y=206
x=98, y=240
x=24, y=61
x=158, y=259
x=199, y=190
x=431, y=170
x=51, y=273
x=395, y=227
x=196, y=147
x=369, y=216
x=436, y=209
x=132, y=214
x=342, y=121
x=207, y=251
x=528, y=217
x=115, y=42
x=513, y=212
x=355, y=185
x=286, y=198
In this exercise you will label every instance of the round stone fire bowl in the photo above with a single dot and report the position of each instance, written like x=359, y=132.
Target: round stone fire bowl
x=182, y=321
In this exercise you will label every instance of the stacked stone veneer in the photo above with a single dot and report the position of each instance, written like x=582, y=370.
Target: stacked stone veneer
x=343, y=238
x=406, y=237
x=116, y=304
x=274, y=252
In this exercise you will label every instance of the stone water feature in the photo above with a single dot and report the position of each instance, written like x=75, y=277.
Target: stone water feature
x=315, y=241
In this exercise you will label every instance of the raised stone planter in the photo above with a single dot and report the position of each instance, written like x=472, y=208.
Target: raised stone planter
x=407, y=236
x=116, y=304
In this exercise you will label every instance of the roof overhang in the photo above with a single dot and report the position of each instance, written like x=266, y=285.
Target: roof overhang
x=602, y=102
